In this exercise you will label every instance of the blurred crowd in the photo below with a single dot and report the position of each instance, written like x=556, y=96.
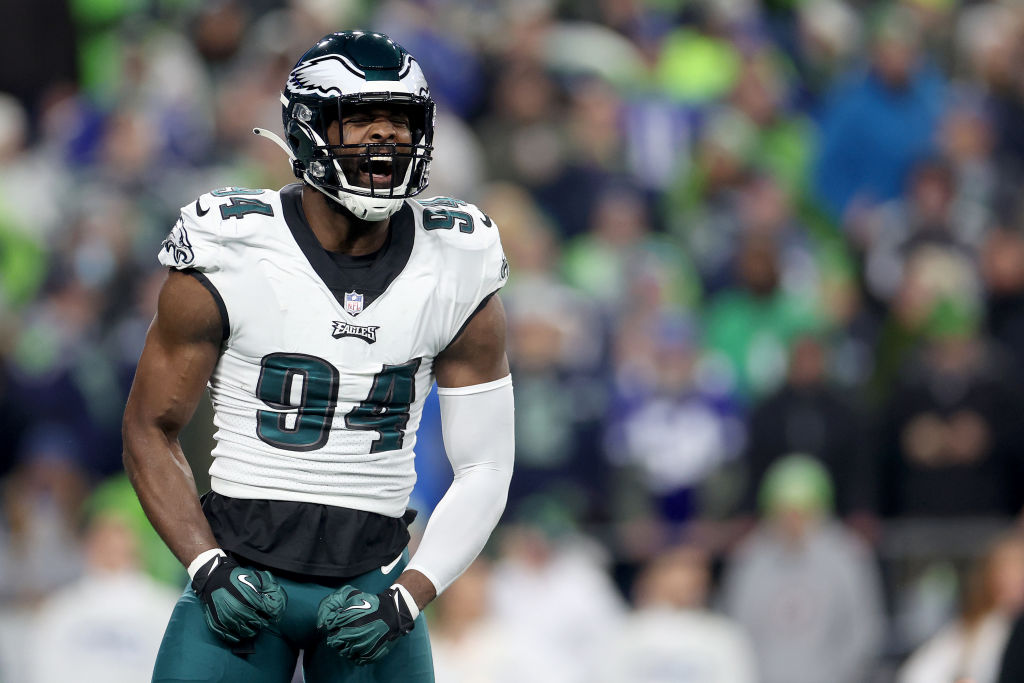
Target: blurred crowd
x=766, y=321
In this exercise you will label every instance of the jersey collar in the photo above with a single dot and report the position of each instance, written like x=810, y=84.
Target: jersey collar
x=370, y=281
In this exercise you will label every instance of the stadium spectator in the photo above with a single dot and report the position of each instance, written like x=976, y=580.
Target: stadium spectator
x=970, y=648
x=1002, y=269
x=949, y=435
x=877, y=122
x=672, y=635
x=928, y=218
x=624, y=265
x=665, y=428
x=470, y=645
x=39, y=552
x=967, y=137
x=522, y=140
x=697, y=62
x=704, y=203
x=805, y=590
x=750, y=327
x=785, y=140
x=594, y=163
x=109, y=622
x=811, y=414
x=41, y=502
x=551, y=586
x=828, y=36
x=989, y=40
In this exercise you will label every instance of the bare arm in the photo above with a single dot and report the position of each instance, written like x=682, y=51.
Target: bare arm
x=181, y=350
x=478, y=354
x=475, y=357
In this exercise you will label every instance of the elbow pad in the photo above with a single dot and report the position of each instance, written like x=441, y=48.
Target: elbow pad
x=478, y=425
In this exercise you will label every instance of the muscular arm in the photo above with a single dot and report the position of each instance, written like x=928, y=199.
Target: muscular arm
x=477, y=356
x=181, y=350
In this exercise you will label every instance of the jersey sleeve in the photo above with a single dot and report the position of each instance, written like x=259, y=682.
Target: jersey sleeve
x=478, y=264
x=194, y=241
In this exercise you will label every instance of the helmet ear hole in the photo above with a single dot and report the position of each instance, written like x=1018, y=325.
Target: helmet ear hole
x=298, y=140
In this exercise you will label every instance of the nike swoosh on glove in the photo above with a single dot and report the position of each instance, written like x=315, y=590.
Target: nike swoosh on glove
x=237, y=601
x=363, y=626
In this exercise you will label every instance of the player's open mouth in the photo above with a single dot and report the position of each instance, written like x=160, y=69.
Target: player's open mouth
x=377, y=169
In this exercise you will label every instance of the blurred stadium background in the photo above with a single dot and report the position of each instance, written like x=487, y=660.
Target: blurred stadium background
x=766, y=322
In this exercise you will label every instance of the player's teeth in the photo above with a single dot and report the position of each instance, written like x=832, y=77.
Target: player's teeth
x=380, y=158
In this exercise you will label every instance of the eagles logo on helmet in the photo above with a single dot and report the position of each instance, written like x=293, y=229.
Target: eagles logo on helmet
x=342, y=71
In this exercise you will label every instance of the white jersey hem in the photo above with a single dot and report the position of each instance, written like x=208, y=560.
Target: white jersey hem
x=235, y=490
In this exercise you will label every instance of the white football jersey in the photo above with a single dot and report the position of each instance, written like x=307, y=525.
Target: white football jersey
x=325, y=367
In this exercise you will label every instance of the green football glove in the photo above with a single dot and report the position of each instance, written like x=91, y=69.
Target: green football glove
x=363, y=626
x=237, y=602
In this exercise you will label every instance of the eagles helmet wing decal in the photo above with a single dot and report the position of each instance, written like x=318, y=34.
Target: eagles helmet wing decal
x=321, y=75
x=178, y=245
x=332, y=76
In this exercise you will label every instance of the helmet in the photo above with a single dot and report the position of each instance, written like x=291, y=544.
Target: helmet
x=341, y=71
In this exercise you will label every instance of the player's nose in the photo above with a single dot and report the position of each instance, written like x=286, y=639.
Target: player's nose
x=382, y=129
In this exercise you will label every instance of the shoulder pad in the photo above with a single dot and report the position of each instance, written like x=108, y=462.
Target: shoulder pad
x=194, y=241
x=474, y=262
x=198, y=236
x=460, y=224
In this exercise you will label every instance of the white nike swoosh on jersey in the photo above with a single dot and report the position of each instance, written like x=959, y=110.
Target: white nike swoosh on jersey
x=244, y=578
x=386, y=569
x=366, y=605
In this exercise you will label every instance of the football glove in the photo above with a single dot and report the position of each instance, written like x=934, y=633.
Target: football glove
x=363, y=626
x=237, y=602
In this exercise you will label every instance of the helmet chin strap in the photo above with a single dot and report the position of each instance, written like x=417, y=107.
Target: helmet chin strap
x=361, y=207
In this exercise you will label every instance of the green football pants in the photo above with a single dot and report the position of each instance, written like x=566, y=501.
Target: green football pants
x=191, y=652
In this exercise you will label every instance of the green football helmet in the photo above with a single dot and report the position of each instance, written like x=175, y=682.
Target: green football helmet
x=346, y=70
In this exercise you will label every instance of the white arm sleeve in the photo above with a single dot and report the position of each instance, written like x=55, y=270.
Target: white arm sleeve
x=479, y=435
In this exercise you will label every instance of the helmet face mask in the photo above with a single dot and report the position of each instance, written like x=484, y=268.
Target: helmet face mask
x=345, y=74
x=357, y=163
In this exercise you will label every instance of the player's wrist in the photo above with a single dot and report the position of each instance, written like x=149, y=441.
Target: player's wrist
x=414, y=609
x=201, y=559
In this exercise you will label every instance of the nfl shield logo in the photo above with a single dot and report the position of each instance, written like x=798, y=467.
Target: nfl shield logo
x=353, y=302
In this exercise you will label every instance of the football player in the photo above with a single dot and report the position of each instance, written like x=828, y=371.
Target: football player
x=319, y=316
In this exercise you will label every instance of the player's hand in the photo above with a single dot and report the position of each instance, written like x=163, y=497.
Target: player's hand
x=363, y=626
x=237, y=601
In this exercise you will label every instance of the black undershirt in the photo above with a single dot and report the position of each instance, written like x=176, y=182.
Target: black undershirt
x=306, y=541
x=369, y=275
x=362, y=261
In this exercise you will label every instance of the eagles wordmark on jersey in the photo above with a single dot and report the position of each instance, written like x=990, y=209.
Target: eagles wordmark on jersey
x=317, y=400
